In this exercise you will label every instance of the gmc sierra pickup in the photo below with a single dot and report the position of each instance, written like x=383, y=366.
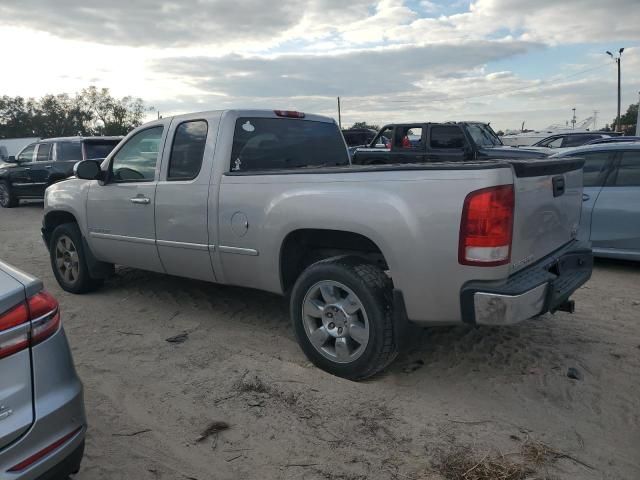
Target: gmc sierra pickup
x=269, y=200
x=438, y=142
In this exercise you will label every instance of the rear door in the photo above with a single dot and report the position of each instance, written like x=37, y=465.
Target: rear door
x=16, y=408
x=548, y=202
x=597, y=167
x=446, y=143
x=182, y=196
x=616, y=215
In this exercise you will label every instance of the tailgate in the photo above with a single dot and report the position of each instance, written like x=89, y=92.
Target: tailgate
x=548, y=202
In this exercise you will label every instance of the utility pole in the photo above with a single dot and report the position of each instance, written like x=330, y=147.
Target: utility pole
x=595, y=120
x=617, y=59
x=339, y=115
x=573, y=120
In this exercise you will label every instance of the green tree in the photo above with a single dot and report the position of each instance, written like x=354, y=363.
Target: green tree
x=365, y=125
x=628, y=120
x=90, y=112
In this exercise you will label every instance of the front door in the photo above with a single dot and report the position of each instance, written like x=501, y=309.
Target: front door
x=616, y=215
x=40, y=169
x=120, y=211
x=19, y=174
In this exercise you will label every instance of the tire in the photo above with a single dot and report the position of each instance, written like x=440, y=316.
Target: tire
x=344, y=304
x=68, y=260
x=7, y=198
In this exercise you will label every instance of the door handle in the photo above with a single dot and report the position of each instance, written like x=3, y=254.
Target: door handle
x=585, y=197
x=140, y=200
x=49, y=166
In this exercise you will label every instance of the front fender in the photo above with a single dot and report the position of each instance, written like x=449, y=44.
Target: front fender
x=70, y=197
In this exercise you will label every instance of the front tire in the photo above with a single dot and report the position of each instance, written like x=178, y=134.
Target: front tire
x=342, y=314
x=68, y=260
x=7, y=198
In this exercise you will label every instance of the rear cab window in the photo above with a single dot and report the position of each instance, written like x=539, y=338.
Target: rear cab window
x=447, y=136
x=284, y=143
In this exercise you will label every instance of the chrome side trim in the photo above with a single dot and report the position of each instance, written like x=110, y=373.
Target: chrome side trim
x=123, y=238
x=15, y=184
x=238, y=250
x=187, y=245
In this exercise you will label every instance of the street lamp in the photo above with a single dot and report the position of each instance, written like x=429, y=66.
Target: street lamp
x=617, y=59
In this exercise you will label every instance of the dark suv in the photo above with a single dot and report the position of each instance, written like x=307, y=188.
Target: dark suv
x=40, y=164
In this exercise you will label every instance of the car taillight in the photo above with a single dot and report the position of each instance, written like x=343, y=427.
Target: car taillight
x=28, y=323
x=486, y=229
x=289, y=113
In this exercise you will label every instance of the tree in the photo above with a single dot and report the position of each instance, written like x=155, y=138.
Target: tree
x=364, y=125
x=90, y=112
x=628, y=120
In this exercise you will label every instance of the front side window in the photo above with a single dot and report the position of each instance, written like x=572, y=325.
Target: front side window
x=43, y=152
x=26, y=155
x=408, y=137
x=384, y=139
x=596, y=165
x=553, y=142
x=629, y=170
x=136, y=160
x=69, y=151
x=447, y=136
x=187, y=150
x=578, y=140
x=284, y=143
x=483, y=136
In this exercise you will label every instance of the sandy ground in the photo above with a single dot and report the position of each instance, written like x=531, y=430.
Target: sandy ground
x=485, y=388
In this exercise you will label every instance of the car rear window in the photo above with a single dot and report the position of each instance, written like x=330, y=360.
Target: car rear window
x=285, y=143
x=100, y=149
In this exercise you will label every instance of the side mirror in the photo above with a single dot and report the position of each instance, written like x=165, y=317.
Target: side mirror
x=11, y=159
x=88, y=170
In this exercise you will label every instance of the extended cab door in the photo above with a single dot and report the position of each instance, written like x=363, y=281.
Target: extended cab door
x=120, y=211
x=447, y=143
x=182, y=197
x=616, y=215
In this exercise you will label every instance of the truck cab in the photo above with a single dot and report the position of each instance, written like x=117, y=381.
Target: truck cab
x=437, y=142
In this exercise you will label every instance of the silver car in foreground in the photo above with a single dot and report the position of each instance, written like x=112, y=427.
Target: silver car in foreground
x=611, y=198
x=42, y=418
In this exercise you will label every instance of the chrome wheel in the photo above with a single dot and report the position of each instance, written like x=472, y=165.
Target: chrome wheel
x=4, y=195
x=335, y=321
x=66, y=258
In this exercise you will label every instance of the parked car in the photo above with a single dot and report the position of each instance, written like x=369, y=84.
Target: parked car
x=613, y=140
x=437, y=142
x=269, y=200
x=568, y=140
x=42, y=418
x=611, y=198
x=46, y=162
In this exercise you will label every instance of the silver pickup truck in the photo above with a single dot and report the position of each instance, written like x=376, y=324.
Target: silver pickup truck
x=269, y=200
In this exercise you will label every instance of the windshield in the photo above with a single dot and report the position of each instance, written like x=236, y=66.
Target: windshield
x=483, y=135
x=97, y=150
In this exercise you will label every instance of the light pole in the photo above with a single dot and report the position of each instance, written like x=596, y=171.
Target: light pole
x=617, y=59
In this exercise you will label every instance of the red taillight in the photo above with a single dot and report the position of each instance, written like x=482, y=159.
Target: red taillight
x=486, y=228
x=44, y=452
x=289, y=113
x=41, y=310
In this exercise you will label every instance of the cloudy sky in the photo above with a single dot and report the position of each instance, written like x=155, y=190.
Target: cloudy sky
x=503, y=61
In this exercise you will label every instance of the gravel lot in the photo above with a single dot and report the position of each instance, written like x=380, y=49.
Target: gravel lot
x=484, y=391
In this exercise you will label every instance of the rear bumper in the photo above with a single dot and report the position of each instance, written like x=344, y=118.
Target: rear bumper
x=543, y=287
x=69, y=465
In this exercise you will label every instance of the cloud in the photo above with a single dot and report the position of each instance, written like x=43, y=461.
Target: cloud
x=359, y=73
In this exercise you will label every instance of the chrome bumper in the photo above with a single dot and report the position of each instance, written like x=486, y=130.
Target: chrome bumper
x=496, y=309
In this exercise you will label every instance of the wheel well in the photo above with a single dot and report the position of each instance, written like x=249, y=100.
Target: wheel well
x=302, y=248
x=53, y=219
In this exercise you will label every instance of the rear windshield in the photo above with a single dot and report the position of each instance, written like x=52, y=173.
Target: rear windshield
x=97, y=150
x=286, y=143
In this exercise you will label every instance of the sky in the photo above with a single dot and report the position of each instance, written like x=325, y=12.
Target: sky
x=499, y=61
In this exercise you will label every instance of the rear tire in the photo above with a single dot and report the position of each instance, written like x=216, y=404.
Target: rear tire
x=68, y=260
x=342, y=314
x=7, y=198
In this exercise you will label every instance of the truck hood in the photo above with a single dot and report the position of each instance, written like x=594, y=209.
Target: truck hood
x=504, y=151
